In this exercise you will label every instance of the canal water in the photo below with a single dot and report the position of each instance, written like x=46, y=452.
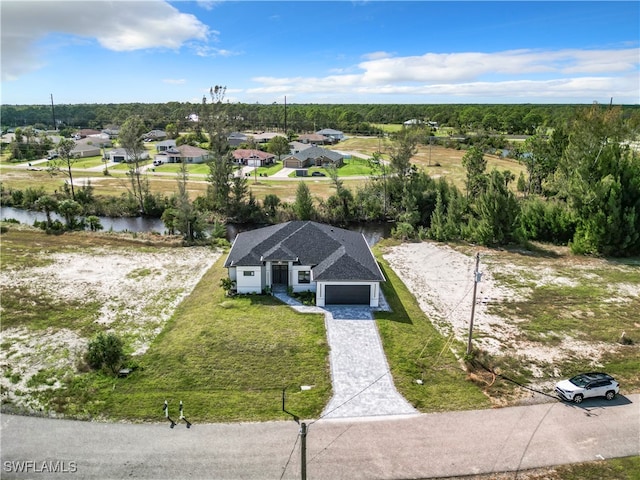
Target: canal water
x=373, y=232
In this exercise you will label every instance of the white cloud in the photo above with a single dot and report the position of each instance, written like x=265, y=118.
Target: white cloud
x=174, y=81
x=456, y=67
x=209, y=51
x=583, y=75
x=118, y=26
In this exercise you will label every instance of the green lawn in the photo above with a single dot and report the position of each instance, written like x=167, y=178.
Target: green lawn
x=352, y=167
x=416, y=351
x=228, y=359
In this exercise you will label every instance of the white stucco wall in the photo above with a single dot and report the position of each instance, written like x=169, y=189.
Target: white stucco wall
x=293, y=279
x=249, y=283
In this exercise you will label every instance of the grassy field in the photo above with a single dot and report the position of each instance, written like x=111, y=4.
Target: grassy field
x=435, y=160
x=416, y=351
x=589, y=300
x=228, y=359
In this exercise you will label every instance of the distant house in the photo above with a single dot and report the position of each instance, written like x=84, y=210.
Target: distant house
x=85, y=132
x=266, y=137
x=335, y=263
x=315, y=139
x=298, y=147
x=84, y=150
x=253, y=157
x=412, y=122
x=112, y=131
x=182, y=154
x=120, y=155
x=155, y=135
x=336, y=135
x=165, y=145
x=314, y=156
x=237, y=138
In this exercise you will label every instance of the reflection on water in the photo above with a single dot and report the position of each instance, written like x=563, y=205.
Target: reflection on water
x=373, y=232
x=115, y=224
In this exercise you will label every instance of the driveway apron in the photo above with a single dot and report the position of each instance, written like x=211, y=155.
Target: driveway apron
x=362, y=383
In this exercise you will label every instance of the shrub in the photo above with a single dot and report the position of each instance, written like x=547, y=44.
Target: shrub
x=105, y=351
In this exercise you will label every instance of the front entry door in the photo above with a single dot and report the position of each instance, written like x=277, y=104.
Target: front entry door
x=280, y=274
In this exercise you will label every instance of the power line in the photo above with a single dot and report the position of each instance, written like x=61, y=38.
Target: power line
x=284, y=470
x=352, y=397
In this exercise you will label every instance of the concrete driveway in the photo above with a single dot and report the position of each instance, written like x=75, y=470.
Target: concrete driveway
x=360, y=377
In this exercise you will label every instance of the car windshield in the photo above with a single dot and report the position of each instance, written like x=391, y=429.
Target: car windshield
x=579, y=381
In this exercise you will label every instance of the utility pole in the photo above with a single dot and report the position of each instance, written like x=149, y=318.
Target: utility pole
x=285, y=116
x=303, y=451
x=53, y=114
x=303, y=439
x=476, y=279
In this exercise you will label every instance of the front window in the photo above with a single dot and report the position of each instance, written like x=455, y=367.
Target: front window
x=248, y=273
x=304, y=276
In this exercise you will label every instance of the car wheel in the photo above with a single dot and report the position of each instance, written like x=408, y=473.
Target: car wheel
x=578, y=398
x=610, y=395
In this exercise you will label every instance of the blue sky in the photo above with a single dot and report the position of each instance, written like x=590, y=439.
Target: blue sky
x=320, y=52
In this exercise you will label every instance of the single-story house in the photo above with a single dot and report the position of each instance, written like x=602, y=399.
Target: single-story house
x=313, y=156
x=314, y=139
x=112, y=131
x=265, y=137
x=336, y=135
x=252, y=157
x=335, y=263
x=85, y=132
x=120, y=155
x=84, y=151
x=80, y=150
x=155, y=135
x=165, y=145
x=183, y=154
x=236, y=138
x=298, y=147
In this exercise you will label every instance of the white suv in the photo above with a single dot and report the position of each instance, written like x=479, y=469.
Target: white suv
x=587, y=385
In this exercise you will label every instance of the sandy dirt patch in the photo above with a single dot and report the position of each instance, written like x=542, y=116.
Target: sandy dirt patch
x=442, y=278
x=138, y=291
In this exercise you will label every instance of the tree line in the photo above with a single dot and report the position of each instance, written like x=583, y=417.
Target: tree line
x=355, y=118
x=581, y=188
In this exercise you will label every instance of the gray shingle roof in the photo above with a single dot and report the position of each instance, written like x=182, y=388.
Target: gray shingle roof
x=318, y=152
x=335, y=254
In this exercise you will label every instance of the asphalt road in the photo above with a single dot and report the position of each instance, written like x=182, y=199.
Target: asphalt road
x=423, y=446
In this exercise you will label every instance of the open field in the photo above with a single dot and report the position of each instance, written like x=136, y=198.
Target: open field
x=435, y=160
x=231, y=358
x=539, y=316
